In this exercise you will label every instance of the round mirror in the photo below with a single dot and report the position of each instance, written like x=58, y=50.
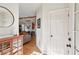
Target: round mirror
x=6, y=17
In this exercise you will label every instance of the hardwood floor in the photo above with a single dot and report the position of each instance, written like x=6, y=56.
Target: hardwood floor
x=30, y=46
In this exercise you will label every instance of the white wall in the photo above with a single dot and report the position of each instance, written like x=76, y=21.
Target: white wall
x=28, y=9
x=39, y=31
x=13, y=30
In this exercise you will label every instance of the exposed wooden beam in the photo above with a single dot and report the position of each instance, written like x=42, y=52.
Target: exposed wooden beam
x=27, y=17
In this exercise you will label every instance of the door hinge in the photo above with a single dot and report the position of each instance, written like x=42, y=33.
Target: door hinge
x=68, y=14
x=68, y=33
x=68, y=51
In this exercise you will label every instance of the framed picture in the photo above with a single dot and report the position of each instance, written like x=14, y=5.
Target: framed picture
x=38, y=23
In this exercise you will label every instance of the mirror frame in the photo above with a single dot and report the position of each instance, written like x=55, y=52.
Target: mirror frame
x=12, y=17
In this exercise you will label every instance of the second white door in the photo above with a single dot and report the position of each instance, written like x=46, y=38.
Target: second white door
x=58, y=31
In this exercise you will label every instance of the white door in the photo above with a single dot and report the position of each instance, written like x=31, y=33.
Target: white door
x=58, y=31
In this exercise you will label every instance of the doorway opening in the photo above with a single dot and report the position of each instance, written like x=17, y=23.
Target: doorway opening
x=27, y=28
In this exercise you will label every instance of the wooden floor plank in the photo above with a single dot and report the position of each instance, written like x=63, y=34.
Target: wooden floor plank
x=30, y=46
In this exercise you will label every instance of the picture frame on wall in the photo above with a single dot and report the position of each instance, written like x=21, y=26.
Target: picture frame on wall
x=38, y=23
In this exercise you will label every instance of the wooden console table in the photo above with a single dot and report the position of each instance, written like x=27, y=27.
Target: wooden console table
x=11, y=45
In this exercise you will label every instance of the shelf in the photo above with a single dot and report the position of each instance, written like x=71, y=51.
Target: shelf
x=16, y=52
x=6, y=51
x=11, y=45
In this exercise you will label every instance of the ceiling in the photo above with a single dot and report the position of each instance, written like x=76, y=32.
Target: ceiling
x=28, y=9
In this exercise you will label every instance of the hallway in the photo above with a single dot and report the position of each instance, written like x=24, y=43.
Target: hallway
x=30, y=47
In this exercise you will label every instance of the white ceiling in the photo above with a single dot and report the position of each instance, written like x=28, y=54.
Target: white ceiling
x=28, y=9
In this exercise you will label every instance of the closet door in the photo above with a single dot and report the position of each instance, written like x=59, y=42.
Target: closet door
x=58, y=31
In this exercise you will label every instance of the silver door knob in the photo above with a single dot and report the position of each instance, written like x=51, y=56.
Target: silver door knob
x=51, y=35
